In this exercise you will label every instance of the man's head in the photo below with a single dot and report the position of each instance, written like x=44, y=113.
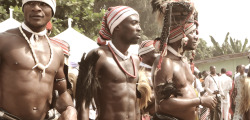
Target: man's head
x=204, y=74
x=147, y=52
x=223, y=71
x=181, y=29
x=212, y=70
x=121, y=21
x=37, y=13
x=241, y=69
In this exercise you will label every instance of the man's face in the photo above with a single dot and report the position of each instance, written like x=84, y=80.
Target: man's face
x=37, y=14
x=192, y=40
x=130, y=30
x=212, y=70
x=150, y=56
x=242, y=69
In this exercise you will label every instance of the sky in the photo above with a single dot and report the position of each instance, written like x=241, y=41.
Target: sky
x=217, y=17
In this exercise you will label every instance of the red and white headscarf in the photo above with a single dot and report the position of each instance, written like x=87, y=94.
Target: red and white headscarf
x=113, y=17
x=51, y=3
x=146, y=47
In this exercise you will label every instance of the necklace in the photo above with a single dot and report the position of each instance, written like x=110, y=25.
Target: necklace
x=183, y=58
x=117, y=52
x=113, y=53
x=38, y=65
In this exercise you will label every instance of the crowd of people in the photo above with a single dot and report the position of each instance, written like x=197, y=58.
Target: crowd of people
x=159, y=83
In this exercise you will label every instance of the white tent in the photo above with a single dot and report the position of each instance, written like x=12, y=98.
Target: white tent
x=78, y=43
x=9, y=23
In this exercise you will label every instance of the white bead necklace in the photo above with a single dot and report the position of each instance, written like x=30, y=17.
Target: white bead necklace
x=38, y=65
x=183, y=57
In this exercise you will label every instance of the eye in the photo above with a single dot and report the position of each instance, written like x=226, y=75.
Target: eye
x=31, y=3
x=43, y=4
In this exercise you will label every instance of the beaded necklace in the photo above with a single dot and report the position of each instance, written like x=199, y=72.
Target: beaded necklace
x=113, y=53
x=38, y=65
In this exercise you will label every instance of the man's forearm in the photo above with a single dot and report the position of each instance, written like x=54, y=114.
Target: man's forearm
x=177, y=104
x=63, y=101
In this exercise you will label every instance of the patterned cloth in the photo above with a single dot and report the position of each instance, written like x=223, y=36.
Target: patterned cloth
x=64, y=45
x=238, y=85
x=146, y=47
x=113, y=17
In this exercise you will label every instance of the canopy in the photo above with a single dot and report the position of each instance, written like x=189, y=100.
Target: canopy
x=9, y=23
x=78, y=43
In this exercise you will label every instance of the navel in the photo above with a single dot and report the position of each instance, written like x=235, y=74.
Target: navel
x=16, y=63
x=35, y=108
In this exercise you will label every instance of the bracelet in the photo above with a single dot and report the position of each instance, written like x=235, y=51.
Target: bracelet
x=200, y=100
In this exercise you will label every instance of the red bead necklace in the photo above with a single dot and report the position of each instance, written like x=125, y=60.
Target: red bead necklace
x=113, y=53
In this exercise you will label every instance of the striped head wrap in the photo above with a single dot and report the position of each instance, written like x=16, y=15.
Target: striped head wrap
x=113, y=17
x=51, y=3
x=146, y=47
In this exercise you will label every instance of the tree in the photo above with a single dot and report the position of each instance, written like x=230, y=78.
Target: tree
x=86, y=21
x=148, y=24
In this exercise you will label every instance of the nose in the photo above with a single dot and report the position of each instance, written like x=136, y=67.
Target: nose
x=36, y=7
x=138, y=28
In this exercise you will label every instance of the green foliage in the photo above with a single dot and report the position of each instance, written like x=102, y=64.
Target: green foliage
x=148, y=24
x=85, y=20
x=203, y=51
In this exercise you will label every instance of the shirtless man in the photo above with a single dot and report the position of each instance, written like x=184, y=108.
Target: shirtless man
x=114, y=70
x=148, y=54
x=172, y=77
x=31, y=68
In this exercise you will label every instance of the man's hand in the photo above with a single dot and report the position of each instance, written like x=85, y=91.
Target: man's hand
x=209, y=101
x=216, y=92
x=69, y=114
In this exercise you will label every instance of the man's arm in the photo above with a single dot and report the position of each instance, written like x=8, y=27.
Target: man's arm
x=64, y=103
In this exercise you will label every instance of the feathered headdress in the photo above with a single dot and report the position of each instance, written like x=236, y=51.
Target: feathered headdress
x=179, y=19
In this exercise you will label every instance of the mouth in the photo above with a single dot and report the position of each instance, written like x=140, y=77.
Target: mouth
x=138, y=36
x=36, y=16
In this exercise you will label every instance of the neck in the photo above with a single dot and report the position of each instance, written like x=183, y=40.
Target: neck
x=147, y=62
x=36, y=29
x=123, y=48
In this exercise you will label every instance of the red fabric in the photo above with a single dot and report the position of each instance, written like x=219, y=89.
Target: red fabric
x=64, y=45
x=49, y=26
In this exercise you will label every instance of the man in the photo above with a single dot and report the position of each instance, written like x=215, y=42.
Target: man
x=213, y=86
x=172, y=77
x=239, y=83
x=109, y=73
x=148, y=54
x=226, y=84
x=32, y=67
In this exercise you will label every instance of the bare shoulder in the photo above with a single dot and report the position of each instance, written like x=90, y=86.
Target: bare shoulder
x=9, y=36
x=165, y=73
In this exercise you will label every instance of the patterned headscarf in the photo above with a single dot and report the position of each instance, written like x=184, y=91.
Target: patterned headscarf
x=146, y=47
x=113, y=17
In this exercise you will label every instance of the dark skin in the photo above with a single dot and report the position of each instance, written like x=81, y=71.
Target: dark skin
x=24, y=92
x=173, y=68
x=116, y=100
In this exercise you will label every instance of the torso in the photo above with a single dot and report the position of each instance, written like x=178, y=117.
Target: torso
x=116, y=100
x=23, y=91
x=182, y=76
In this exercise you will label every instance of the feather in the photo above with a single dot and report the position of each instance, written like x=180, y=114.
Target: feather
x=87, y=82
x=144, y=89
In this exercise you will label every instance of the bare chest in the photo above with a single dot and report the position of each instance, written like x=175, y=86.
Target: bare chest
x=18, y=56
x=182, y=74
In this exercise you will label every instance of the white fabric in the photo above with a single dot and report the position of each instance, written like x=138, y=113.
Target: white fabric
x=226, y=84
x=51, y=3
x=145, y=65
x=238, y=87
x=34, y=34
x=211, y=86
x=199, y=87
x=117, y=52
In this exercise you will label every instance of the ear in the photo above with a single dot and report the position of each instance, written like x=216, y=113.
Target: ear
x=117, y=28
